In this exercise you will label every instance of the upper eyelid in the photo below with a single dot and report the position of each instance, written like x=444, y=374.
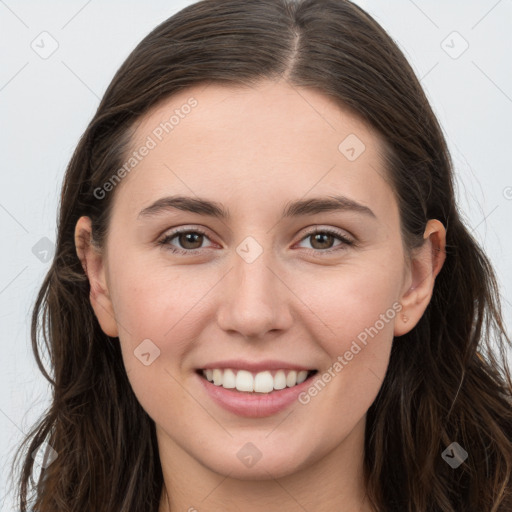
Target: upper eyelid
x=310, y=230
x=306, y=230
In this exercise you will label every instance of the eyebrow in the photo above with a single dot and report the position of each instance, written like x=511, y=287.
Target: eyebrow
x=292, y=209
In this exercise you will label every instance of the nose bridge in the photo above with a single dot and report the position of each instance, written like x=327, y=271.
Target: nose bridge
x=252, y=301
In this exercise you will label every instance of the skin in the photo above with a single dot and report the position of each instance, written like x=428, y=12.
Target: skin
x=254, y=150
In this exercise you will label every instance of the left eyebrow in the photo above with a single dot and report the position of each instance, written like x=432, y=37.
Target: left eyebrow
x=294, y=209
x=325, y=204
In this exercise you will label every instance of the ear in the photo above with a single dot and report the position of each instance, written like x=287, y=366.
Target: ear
x=425, y=264
x=93, y=263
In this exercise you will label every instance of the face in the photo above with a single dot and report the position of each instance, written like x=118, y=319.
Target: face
x=281, y=279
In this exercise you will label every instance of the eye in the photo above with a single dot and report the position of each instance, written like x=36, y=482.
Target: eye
x=190, y=239
x=322, y=239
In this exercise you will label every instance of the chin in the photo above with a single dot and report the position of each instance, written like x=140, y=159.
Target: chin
x=249, y=463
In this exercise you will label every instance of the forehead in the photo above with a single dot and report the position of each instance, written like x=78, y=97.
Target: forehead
x=272, y=139
x=277, y=114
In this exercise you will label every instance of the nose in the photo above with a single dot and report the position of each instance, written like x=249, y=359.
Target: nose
x=254, y=299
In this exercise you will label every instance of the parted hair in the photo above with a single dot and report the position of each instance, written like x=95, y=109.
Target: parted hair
x=447, y=378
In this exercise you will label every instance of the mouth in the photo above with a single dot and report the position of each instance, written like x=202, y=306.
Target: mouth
x=255, y=383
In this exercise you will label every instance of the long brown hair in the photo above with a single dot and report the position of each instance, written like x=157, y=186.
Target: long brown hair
x=447, y=378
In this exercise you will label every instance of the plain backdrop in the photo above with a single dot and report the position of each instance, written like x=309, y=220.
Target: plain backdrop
x=57, y=58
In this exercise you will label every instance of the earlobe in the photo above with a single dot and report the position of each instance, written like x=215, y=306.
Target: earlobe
x=93, y=264
x=426, y=263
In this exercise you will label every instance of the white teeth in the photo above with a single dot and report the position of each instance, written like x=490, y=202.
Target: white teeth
x=244, y=381
x=279, y=380
x=262, y=382
x=229, y=379
x=291, y=379
x=301, y=376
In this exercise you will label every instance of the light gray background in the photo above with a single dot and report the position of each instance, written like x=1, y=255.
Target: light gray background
x=45, y=104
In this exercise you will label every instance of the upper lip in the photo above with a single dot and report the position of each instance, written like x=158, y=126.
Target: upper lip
x=255, y=366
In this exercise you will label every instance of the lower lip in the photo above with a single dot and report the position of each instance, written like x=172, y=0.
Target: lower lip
x=254, y=405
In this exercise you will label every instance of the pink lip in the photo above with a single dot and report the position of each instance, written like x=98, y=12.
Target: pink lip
x=239, y=364
x=253, y=405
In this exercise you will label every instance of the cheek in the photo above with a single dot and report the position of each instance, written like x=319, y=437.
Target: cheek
x=355, y=330
x=156, y=310
x=355, y=308
x=337, y=309
x=337, y=305
x=354, y=303
x=347, y=311
x=157, y=302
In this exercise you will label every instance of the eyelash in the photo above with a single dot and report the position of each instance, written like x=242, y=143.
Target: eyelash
x=170, y=236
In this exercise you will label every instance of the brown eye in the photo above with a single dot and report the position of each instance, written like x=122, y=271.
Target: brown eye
x=190, y=240
x=322, y=240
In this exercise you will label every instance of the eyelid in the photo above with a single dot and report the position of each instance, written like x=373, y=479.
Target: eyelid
x=319, y=228
x=169, y=235
x=346, y=241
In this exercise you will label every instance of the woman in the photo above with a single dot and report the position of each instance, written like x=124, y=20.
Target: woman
x=249, y=371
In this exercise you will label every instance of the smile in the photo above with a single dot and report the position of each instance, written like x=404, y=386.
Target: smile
x=265, y=381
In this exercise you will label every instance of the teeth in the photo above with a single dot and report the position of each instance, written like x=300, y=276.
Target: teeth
x=262, y=382
x=279, y=380
x=244, y=381
x=291, y=379
x=229, y=379
x=217, y=377
x=301, y=377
